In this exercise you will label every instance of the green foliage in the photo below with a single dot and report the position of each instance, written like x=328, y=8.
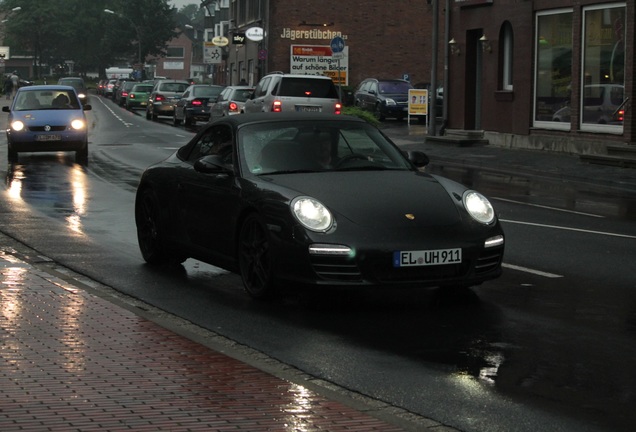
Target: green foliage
x=59, y=31
x=364, y=115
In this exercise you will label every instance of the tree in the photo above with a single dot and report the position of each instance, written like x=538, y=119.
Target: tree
x=79, y=31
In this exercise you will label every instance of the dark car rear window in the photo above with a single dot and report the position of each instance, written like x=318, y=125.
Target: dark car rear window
x=174, y=87
x=308, y=87
x=142, y=88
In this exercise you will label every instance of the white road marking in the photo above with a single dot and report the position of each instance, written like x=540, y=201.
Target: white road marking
x=548, y=207
x=605, y=233
x=529, y=270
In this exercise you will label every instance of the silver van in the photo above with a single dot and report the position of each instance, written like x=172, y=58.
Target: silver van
x=278, y=92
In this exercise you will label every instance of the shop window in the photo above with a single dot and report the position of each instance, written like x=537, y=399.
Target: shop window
x=553, y=74
x=602, y=68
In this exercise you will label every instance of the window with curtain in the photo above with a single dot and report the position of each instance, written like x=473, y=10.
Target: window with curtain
x=506, y=56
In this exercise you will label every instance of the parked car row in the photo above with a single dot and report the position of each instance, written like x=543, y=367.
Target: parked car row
x=189, y=103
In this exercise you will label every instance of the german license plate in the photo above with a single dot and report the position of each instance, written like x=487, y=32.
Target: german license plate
x=48, y=137
x=427, y=257
x=307, y=109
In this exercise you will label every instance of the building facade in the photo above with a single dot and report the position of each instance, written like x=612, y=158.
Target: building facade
x=543, y=74
x=382, y=39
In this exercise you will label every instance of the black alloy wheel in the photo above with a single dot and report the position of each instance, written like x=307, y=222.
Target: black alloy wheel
x=255, y=259
x=150, y=232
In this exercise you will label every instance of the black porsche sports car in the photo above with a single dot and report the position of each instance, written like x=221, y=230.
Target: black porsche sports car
x=314, y=200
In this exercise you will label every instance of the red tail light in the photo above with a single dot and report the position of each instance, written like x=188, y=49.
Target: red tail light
x=196, y=102
x=233, y=106
x=159, y=98
x=277, y=106
x=124, y=94
x=338, y=108
x=620, y=115
x=132, y=95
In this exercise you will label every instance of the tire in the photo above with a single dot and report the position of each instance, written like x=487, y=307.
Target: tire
x=175, y=120
x=255, y=260
x=148, y=117
x=12, y=155
x=377, y=113
x=81, y=156
x=151, y=231
x=187, y=121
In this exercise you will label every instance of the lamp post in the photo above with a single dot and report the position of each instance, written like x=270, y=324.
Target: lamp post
x=136, y=29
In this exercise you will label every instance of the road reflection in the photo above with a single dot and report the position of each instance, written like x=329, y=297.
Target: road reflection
x=54, y=185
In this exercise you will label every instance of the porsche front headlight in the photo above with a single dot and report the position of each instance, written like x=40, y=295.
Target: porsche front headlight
x=17, y=125
x=479, y=207
x=312, y=214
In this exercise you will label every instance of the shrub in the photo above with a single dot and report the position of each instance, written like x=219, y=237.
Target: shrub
x=364, y=115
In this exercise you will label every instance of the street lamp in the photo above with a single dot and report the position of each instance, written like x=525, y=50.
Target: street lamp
x=136, y=29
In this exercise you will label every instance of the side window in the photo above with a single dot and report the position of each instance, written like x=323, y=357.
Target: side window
x=186, y=94
x=261, y=90
x=216, y=141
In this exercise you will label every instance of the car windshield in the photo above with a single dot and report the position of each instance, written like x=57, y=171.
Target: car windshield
x=394, y=87
x=288, y=147
x=76, y=84
x=142, y=89
x=45, y=99
x=241, y=95
x=206, y=91
x=174, y=87
x=308, y=87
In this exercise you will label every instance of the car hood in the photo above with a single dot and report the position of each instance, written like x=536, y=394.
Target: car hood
x=53, y=116
x=398, y=97
x=375, y=198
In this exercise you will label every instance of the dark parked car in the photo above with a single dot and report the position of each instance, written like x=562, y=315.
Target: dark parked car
x=46, y=118
x=192, y=106
x=122, y=92
x=78, y=84
x=163, y=97
x=383, y=97
x=231, y=101
x=314, y=200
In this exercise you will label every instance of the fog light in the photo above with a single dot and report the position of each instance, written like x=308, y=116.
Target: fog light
x=497, y=240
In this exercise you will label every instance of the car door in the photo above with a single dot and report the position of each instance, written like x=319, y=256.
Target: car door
x=209, y=202
x=256, y=102
x=179, y=106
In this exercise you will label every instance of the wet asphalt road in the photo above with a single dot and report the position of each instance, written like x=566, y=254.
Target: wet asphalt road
x=547, y=349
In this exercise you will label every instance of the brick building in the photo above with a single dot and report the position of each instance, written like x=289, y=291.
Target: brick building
x=383, y=39
x=544, y=74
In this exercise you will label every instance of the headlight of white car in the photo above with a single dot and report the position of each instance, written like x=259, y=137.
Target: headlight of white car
x=312, y=214
x=78, y=124
x=17, y=125
x=479, y=207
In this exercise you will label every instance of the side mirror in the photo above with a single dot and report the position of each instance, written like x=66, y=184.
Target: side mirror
x=5, y=109
x=212, y=164
x=417, y=158
x=87, y=107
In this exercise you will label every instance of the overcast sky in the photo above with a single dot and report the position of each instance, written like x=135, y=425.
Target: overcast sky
x=181, y=3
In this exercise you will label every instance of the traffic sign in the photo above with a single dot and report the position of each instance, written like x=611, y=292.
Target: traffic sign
x=337, y=44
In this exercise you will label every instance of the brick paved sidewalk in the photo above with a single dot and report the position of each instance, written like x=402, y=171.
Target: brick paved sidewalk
x=71, y=360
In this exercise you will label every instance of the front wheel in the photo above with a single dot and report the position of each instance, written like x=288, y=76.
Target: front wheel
x=255, y=260
x=175, y=120
x=377, y=113
x=12, y=155
x=151, y=231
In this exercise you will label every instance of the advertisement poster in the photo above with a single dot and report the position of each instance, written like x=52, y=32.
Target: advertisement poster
x=319, y=60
